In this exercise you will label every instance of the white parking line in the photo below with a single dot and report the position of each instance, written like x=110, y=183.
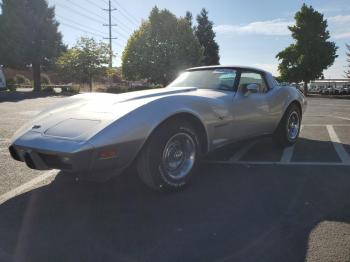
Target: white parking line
x=334, y=105
x=288, y=151
x=287, y=154
x=306, y=115
x=338, y=146
x=279, y=163
x=26, y=186
x=341, y=117
x=29, y=113
x=326, y=125
x=242, y=151
x=9, y=118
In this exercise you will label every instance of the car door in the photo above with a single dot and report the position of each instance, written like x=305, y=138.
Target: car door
x=252, y=108
x=223, y=113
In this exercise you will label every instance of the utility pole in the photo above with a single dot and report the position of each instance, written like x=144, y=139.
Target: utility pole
x=110, y=38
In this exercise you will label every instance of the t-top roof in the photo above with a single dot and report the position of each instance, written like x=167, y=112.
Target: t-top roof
x=228, y=66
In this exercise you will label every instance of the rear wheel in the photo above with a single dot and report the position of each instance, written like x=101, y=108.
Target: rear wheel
x=170, y=156
x=288, y=129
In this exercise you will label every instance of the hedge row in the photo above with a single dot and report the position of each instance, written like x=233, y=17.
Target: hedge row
x=46, y=88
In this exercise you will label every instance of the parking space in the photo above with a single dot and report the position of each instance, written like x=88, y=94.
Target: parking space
x=315, y=145
x=251, y=201
x=343, y=134
x=16, y=110
x=324, y=140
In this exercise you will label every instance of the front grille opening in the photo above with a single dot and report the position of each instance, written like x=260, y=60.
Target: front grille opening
x=55, y=162
x=14, y=154
x=29, y=161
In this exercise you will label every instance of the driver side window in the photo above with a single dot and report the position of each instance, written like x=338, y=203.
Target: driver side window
x=252, y=78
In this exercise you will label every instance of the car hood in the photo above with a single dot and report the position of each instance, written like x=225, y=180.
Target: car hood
x=82, y=116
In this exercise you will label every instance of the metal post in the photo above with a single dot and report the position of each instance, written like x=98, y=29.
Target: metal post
x=110, y=38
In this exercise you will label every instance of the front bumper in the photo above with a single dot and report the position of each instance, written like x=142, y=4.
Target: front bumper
x=80, y=159
x=42, y=159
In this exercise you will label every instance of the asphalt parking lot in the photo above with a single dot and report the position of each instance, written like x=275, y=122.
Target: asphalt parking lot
x=250, y=202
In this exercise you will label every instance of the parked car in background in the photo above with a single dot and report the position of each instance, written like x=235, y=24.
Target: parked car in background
x=2, y=79
x=165, y=131
x=339, y=90
x=320, y=89
x=330, y=86
x=346, y=89
x=312, y=88
x=326, y=90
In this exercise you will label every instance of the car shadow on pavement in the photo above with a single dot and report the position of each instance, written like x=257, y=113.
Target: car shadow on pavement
x=229, y=213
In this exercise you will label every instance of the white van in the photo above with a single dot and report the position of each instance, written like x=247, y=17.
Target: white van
x=2, y=79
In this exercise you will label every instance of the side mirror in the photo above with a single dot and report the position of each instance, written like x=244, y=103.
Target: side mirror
x=252, y=88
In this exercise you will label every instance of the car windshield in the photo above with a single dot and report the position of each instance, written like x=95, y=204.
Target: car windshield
x=220, y=78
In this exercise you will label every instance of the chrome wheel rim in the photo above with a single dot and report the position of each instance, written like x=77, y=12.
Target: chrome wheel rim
x=178, y=155
x=293, y=125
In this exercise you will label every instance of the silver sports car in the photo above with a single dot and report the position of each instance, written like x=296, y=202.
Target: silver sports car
x=166, y=131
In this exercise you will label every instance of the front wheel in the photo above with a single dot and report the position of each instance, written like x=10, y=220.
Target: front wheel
x=170, y=156
x=288, y=129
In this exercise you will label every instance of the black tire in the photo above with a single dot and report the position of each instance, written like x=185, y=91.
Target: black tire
x=150, y=166
x=281, y=135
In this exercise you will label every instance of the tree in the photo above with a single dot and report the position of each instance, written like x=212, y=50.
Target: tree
x=205, y=34
x=86, y=60
x=31, y=36
x=189, y=17
x=160, y=48
x=311, y=53
x=347, y=72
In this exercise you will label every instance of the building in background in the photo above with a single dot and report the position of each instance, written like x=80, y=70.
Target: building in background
x=330, y=86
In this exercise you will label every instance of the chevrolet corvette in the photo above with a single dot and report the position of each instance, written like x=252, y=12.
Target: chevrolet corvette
x=164, y=132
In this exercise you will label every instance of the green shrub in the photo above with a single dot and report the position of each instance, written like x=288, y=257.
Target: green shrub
x=45, y=79
x=65, y=89
x=21, y=80
x=75, y=89
x=11, y=85
x=47, y=88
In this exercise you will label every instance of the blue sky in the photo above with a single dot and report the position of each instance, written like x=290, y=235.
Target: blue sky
x=249, y=32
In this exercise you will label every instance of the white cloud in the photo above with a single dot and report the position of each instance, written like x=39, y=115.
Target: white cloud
x=339, y=19
x=345, y=35
x=337, y=69
x=272, y=68
x=275, y=27
x=334, y=9
x=339, y=26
